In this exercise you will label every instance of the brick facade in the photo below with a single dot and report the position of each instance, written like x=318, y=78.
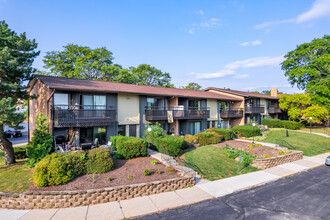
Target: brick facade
x=275, y=161
x=65, y=199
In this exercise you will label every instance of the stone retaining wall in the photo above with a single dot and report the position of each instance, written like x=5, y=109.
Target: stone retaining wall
x=274, y=161
x=64, y=199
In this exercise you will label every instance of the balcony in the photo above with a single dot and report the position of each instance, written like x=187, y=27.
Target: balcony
x=231, y=113
x=249, y=109
x=274, y=109
x=83, y=115
x=156, y=113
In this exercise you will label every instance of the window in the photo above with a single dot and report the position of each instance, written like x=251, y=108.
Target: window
x=194, y=104
x=122, y=130
x=194, y=127
x=61, y=100
x=224, y=106
x=94, y=101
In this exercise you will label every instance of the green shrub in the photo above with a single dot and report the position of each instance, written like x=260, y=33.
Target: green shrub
x=57, y=169
x=129, y=177
x=293, y=125
x=153, y=162
x=272, y=122
x=211, y=138
x=281, y=152
x=156, y=131
x=99, y=161
x=247, y=158
x=109, y=179
x=266, y=156
x=226, y=133
x=130, y=147
x=189, y=138
x=146, y=172
x=171, y=145
x=41, y=144
x=246, y=130
x=20, y=153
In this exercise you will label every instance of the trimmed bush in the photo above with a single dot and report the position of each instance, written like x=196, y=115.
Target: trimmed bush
x=206, y=137
x=246, y=130
x=171, y=145
x=189, y=138
x=99, y=161
x=57, y=169
x=272, y=122
x=20, y=153
x=293, y=125
x=130, y=147
x=226, y=133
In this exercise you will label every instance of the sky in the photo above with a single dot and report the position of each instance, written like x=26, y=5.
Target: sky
x=231, y=44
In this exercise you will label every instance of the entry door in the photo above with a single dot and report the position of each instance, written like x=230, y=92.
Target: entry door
x=132, y=130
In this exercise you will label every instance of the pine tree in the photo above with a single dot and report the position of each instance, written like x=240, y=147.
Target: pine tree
x=16, y=57
x=41, y=143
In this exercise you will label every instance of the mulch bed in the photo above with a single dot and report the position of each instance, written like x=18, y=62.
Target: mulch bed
x=258, y=151
x=119, y=176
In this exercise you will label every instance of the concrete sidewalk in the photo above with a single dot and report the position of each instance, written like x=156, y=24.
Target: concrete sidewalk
x=168, y=200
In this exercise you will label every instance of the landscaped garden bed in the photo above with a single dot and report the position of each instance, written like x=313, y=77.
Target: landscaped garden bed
x=126, y=172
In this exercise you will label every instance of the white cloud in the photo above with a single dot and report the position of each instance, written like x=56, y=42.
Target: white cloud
x=207, y=24
x=191, y=31
x=320, y=9
x=230, y=68
x=200, y=12
x=253, y=43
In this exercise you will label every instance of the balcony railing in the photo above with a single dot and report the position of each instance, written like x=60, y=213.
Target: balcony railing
x=249, y=109
x=231, y=113
x=274, y=109
x=83, y=115
x=156, y=113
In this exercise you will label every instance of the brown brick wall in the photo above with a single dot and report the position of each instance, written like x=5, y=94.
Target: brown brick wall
x=64, y=199
x=275, y=161
x=39, y=104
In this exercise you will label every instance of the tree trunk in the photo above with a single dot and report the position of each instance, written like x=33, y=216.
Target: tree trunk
x=7, y=146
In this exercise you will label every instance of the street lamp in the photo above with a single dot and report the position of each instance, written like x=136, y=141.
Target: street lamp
x=254, y=124
x=310, y=124
x=149, y=130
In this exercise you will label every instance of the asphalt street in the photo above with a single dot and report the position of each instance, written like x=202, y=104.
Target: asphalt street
x=19, y=140
x=302, y=196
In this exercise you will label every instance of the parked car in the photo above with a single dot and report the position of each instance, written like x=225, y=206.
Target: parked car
x=13, y=134
x=327, y=161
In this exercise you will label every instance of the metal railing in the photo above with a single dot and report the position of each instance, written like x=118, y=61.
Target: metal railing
x=83, y=115
x=231, y=113
x=250, y=109
x=274, y=109
x=192, y=166
x=160, y=113
x=283, y=143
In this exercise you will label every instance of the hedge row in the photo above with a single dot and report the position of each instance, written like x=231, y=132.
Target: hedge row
x=129, y=147
x=58, y=169
x=207, y=137
x=277, y=123
x=226, y=133
x=171, y=145
x=246, y=130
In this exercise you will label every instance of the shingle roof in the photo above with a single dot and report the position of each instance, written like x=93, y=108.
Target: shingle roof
x=242, y=93
x=68, y=84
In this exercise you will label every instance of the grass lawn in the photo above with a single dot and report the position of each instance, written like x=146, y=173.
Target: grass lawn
x=310, y=144
x=214, y=163
x=318, y=130
x=15, y=178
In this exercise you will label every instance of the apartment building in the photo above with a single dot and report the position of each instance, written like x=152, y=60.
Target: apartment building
x=255, y=106
x=85, y=111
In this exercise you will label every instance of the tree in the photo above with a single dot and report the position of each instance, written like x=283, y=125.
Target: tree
x=308, y=67
x=192, y=86
x=150, y=76
x=318, y=113
x=17, y=54
x=294, y=104
x=41, y=143
x=81, y=63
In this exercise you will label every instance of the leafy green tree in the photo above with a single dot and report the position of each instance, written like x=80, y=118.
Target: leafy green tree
x=193, y=86
x=42, y=140
x=294, y=104
x=81, y=63
x=16, y=57
x=308, y=67
x=149, y=75
x=318, y=113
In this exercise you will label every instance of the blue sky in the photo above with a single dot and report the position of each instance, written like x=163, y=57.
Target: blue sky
x=232, y=44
